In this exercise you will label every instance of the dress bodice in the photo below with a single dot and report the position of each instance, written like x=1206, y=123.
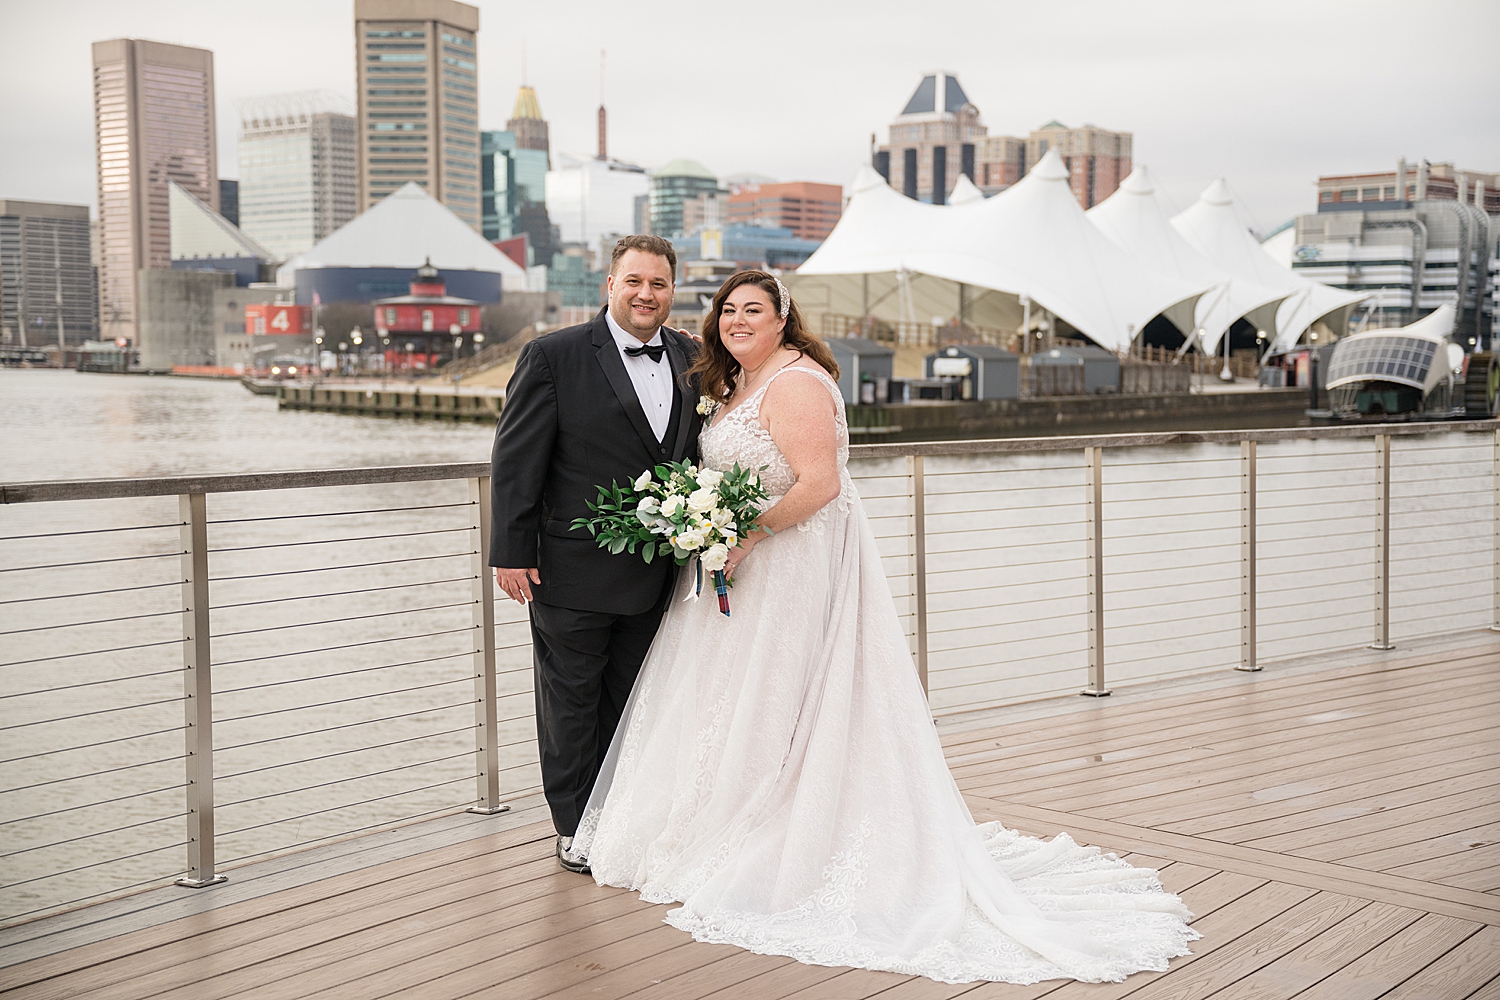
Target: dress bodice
x=739, y=437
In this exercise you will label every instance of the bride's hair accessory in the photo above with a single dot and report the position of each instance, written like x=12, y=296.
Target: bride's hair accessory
x=783, y=296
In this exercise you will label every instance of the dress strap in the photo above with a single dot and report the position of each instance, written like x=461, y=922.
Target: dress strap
x=817, y=373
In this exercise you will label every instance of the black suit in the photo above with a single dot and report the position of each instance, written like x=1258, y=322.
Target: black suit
x=571, y=423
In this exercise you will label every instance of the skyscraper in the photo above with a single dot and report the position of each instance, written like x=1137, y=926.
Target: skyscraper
x=417, y=69
x=678, y=182
x=153, y=123
x=298, y=176
x=932, y=140
x=1097, y=159
x=46, y=277
x=526, y=122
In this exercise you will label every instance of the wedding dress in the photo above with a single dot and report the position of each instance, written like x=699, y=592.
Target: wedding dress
x=778, y=773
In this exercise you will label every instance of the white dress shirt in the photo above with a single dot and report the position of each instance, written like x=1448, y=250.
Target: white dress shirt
x=652, y=379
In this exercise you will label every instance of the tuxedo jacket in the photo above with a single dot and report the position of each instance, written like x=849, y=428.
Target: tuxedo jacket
x=571, y=423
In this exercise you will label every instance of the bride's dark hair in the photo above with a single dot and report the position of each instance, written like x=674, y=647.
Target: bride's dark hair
x=717, y=369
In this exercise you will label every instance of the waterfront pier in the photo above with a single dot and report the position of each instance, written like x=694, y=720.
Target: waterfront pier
x=302, y=682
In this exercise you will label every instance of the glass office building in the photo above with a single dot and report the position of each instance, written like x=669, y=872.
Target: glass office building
x=298, y=170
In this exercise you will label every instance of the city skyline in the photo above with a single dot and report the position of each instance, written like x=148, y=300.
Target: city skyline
x=1206, y=92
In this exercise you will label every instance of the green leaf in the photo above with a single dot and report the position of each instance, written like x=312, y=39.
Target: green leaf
x=648, y=553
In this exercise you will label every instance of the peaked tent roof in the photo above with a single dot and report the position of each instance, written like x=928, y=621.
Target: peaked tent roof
x=1134, y=220
x=1214, y=228
x=406, y=227
x=1031, y=240
x=197, y=231
x=964, y=192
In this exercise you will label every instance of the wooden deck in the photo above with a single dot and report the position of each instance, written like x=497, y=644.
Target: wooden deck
x=1335, y=826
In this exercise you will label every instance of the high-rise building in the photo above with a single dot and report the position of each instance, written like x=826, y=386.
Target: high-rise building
x=229, y=200
x=153, y=123
x=999, y=161
x=512, y=179
x=931, y=141
x=678, y=182
x=418, y=82
x=46, y=276
x=593, y=201
x=1415, y=238
x=809, y=210
x=1097, y=160
x=526, y=122
x=299, y=179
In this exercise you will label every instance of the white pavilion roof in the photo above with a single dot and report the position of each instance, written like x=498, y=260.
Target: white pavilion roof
x=406, y=228
x=1133, y=218
x=1032, y=240
x=1213, y=226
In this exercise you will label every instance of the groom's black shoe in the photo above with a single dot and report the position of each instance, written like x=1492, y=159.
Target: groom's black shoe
x=568, y=859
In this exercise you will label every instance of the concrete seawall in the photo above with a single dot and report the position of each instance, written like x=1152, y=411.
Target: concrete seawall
x=941, y=421
x=924, y=421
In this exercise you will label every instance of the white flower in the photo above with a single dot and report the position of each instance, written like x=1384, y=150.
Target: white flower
x=715, y=557
x=705, y=406
x=672, y=505
x=701, y=500
x=710, y=479
x=648, y=505
x=689, y=540
x=642, y=481
x=721, y=516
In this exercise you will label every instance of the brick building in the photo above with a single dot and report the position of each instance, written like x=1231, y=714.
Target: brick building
x=1423, y=182
x=809, y=210
x=1097, y=160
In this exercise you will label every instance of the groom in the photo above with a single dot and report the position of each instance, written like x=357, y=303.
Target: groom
x=588, y=406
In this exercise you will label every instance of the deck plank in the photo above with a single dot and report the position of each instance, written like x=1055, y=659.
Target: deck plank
x=1303, y=967
x=1398, y=959
x=1335, y=831
x=1458, y=973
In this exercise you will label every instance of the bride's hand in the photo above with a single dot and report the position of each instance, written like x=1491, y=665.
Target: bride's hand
x=739, y=552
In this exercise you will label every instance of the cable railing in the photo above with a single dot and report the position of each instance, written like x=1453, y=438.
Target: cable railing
x=199, y=673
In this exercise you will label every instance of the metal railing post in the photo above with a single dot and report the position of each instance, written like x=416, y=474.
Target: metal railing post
x=1247, y=557
x=486, y=693
x=1495, y=546
x=1383, y=543
x=1093, y=459
x=198, y=706
x=919, y=546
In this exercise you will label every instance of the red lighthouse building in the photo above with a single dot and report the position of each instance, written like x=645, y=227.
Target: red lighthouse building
x=428, y=319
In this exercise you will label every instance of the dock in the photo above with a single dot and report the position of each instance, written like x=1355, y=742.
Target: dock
x=271, y=734
x=426, y=402
x=1333, y=825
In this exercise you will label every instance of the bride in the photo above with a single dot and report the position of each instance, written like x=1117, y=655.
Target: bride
x=777, y=772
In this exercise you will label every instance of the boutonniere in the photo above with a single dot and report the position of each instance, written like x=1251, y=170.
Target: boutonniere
x=705, y=406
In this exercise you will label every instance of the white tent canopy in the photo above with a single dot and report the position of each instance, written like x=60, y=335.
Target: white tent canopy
x=982, y=258
x=406, y=228
x=1133, y=218
x=1214, y=228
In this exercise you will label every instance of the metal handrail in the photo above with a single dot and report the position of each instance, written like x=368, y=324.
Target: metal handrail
x=913, y=490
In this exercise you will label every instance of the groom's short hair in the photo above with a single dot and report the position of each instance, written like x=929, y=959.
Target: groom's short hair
x=646, y=244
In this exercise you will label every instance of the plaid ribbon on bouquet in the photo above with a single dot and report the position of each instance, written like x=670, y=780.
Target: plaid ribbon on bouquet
x=721, y=587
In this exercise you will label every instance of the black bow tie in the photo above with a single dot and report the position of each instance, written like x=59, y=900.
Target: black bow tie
x=652, y=351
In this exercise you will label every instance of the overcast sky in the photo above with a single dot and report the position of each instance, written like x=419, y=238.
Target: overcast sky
x=1268, y=94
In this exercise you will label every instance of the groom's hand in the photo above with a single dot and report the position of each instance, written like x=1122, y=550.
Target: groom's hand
x=517, y=582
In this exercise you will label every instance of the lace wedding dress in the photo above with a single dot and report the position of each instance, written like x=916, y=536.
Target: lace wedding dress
x=778, y=773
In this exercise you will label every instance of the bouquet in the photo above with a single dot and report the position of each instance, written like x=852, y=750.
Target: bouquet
x=681, y=510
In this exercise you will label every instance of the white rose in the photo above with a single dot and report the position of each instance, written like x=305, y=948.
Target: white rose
x=648, y=505
x=689, y=540
x=702, y=500
x=710, y=478
x=642, y=481
x=715, y=557
x=672, y=505
x=721, y=517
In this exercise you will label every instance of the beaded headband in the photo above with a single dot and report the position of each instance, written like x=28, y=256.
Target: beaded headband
x=783, y=296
